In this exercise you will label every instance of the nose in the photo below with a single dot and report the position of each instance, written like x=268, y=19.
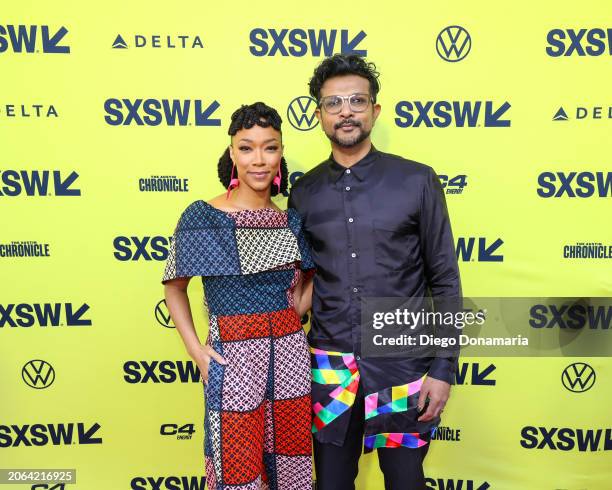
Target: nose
x=346, y=109
x=259, y=158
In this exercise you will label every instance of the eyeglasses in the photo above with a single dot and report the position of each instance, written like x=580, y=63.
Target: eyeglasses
x=357, y=102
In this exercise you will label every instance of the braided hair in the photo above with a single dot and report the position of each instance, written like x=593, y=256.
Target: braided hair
x=246, y=117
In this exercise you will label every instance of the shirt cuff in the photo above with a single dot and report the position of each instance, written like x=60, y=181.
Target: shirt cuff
x=444, y=369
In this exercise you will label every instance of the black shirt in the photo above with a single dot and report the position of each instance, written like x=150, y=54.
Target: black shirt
x=379, y=228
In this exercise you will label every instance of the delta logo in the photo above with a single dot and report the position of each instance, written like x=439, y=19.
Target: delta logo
x=584, y=113
x=33, y=39
x=158, y=41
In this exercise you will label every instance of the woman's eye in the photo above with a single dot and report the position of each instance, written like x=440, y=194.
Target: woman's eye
x=244, y=148
x=272, y=148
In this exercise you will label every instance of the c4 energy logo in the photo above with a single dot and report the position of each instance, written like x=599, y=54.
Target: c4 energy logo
x=161, y=372
x=163, y=183
x=566, y=439
x=168, y=482
x=183, y=432
x=455, y=484
x=453, y=43
x=579, y=42
x=155, y=112
x=444, y=114
x=453, y=184
x=49, y=434
x=44, y=315
x=486, y=251
x=302, y=42
x=158, y=41
x=141, y=248
x=575, y=316
x=38, y=374
x=585, y=113
x=25, y=111
x=578, y=377
x=476, y=375
x=162, y=315
x=38, y=183
x=575, y=184
x=301, y=113
x=33, y=39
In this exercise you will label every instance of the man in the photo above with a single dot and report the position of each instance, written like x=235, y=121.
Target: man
x=378, y=227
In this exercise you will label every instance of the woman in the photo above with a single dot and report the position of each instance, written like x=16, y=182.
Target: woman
x=255, y=365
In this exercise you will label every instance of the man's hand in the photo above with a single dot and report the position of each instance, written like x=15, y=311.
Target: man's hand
x=438, y=393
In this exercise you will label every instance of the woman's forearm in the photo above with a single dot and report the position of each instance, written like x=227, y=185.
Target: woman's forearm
x=180, y=311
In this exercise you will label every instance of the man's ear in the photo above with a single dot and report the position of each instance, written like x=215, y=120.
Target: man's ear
x=375, y=112
x=318, y=114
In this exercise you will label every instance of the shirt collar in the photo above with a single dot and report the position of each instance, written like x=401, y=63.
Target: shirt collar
x=359, y=169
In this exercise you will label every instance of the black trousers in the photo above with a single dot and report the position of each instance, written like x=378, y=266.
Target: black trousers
x=337, y=466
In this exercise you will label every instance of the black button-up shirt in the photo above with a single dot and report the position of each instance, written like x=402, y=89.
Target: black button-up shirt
x=381, y=229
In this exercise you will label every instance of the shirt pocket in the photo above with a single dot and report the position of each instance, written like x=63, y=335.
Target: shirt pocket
x=392, y=244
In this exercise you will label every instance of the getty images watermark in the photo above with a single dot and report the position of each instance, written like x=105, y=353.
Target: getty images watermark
x=516, y=327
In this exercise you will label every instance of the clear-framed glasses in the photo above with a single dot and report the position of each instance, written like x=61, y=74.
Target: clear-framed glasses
x=357, y=102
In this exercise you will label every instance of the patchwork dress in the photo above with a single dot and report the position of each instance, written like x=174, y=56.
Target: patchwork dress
x=257, y=407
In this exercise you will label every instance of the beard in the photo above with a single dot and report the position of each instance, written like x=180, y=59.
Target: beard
x=348, y=141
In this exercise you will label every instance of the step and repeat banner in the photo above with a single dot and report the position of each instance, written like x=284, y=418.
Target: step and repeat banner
x=112, y=118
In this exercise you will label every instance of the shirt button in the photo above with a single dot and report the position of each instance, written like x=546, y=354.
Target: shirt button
x=348, y=170
x=351, y=220
x=353, y=255
x=355, y=290
x=347, y=188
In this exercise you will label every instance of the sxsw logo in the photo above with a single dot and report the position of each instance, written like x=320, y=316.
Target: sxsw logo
x=486, y=251
x=157, y=41
x=154, y=112
x=574, y=316
x=301, y=113
x=301, y=42
x=595, y=112
x=32, y=39
x=472, y=373
x=168, y=483
x=44, y=315
x=455, y=484
x=453, y=43
x=48, y=486
x=566, y=439
x=443, y=114
x=575, y=184
x=161, y=372
x=145, y=248
x=579, y=42
x=49, y=434
x=38, y=183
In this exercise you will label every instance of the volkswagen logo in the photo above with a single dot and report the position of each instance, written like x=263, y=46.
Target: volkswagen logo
x=163, y=315
x=38, y=374
x=453, y=43
x=578, y=377
x=301, y=113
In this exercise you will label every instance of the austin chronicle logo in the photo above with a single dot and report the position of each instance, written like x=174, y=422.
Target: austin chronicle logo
x=38, y=374
x=301, y=113
x=453, y=43
x=163, y=315
x=578, y=377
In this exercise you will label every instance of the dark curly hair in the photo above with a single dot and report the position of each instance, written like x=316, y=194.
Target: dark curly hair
x=246, y=117
x=344, y=64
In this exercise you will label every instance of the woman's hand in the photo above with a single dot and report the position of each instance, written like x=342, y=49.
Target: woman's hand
x=202, y=355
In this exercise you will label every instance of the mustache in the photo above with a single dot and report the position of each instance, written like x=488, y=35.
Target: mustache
x=354, y=122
